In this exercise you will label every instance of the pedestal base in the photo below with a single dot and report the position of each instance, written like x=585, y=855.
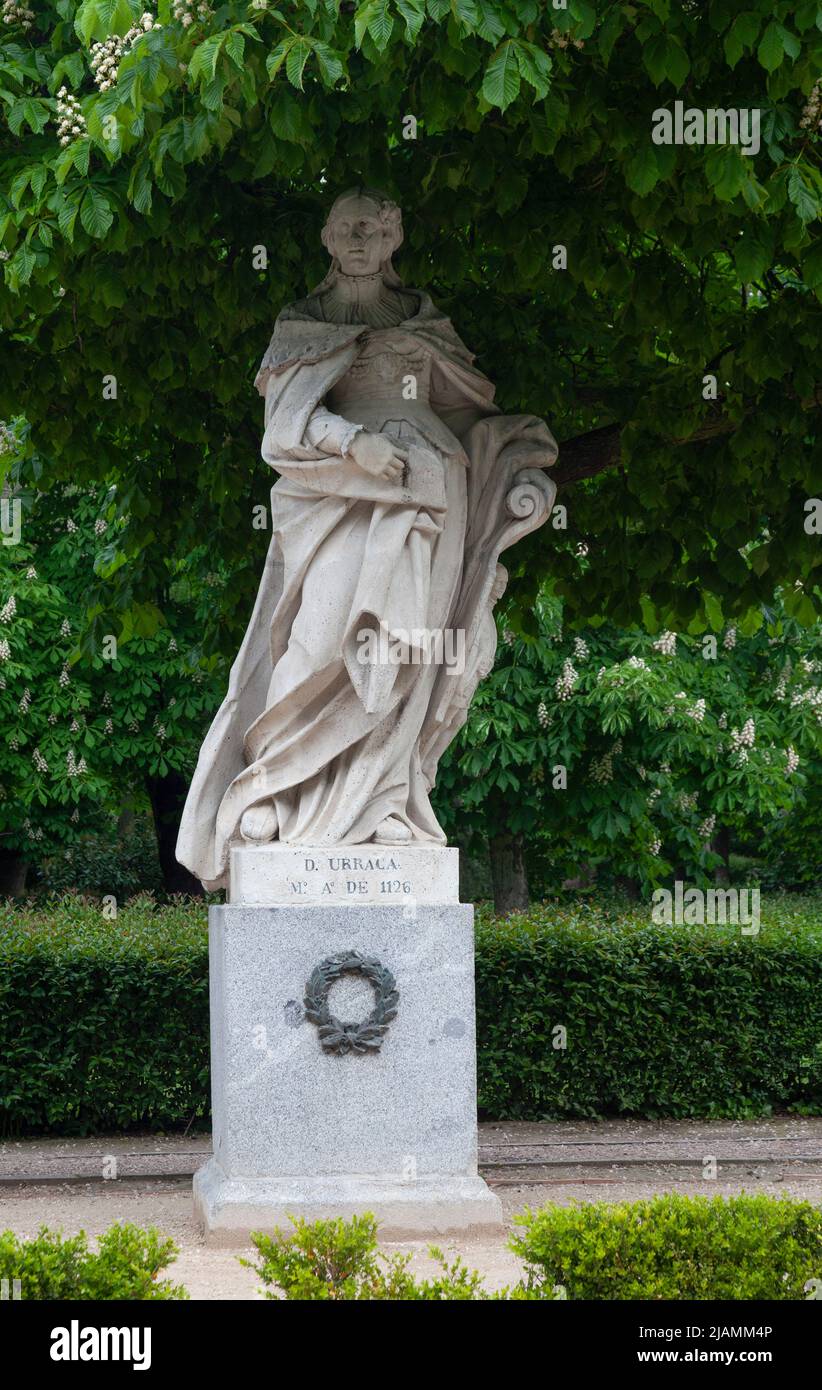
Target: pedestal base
x=313, y=1120
x=229, y=1210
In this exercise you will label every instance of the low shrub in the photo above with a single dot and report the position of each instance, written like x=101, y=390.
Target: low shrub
x=340, y=1260
x=673, y=1247
x=124, y=1266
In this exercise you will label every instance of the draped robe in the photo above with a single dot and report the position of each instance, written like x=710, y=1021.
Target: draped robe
x=335, y=742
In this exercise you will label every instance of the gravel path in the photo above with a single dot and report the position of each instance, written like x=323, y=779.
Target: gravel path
x=60, y=1183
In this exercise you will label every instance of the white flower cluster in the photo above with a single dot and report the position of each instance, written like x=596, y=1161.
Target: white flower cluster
x=5, y=649
x=743, y=739
x=100, y=526
x=580, y=649
x=75, y=815
x=106, y=53
x=812, y=113
x=665, y=643
x=812, y=696
x=8, y=440
x=543, y=716
x=25, y=701
x=71, y=122
x=15, y=13
x=507, y=634
x=697, y=711
x=655, y=846
x=729, y=640
x=637, y=663
x=706, y=829
x=73, y=768
x=792, y=762
x=106, y=702
x=722, y=721
x=172, y=644
x=686, y=801
x=653, y=796
x=160, y=730
x=31, y=572
x=780, y=690
x=187, y=11
x=71, y=526
x=810, y=667
x=109, y=727
x=566, y=681
x=32, y=833
x=65, y=628
x=39, y=761
x=64, y=677
x=8, y=610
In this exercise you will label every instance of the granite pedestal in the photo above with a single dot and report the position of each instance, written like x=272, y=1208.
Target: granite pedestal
x=303, y=1131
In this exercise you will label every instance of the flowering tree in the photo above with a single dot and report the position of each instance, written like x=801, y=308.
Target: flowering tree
x=623, y=754
x=164, y=175
x=85, y=732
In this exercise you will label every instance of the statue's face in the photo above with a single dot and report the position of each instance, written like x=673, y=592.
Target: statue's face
x=358, y=238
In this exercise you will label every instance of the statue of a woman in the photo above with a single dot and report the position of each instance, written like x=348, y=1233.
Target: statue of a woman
x=400, y=483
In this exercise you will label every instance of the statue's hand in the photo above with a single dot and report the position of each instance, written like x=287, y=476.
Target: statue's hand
x=376, y=455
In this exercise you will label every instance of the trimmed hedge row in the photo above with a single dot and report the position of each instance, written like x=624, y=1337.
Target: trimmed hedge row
x=673, y=1021
x=104, y=1024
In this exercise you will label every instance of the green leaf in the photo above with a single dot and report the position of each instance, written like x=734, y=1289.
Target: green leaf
x=235, y=48
x=771, y=51
x=95, y=213
x=802, y=197
x=275, y=59
x=413, y=12
x=374, y=18
x=97, y=19
x=655, y=58
x=642, y=171
x=67, y=214
x=330, y=64
x=296, y=59
x=501, y=83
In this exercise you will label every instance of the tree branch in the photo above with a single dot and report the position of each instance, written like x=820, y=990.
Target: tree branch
x=586, y=455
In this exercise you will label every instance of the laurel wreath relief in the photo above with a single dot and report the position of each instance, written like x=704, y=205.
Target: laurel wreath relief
x=340, y=1037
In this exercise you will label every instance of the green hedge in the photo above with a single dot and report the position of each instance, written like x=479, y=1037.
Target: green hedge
x=104, y=1024
x=661, y=1021
x=674, y=1247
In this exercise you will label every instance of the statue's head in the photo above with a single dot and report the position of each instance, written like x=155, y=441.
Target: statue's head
x=363, y=230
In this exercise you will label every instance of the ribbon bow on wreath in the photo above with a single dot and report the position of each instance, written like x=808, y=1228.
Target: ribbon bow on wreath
x=340, y=1037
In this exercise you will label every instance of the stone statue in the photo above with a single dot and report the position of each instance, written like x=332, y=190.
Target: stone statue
x=399, y=484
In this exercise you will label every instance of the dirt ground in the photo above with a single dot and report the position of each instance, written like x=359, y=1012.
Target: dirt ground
x=60, y=1182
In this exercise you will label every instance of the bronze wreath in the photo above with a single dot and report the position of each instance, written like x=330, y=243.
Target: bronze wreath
x=340, y=1037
